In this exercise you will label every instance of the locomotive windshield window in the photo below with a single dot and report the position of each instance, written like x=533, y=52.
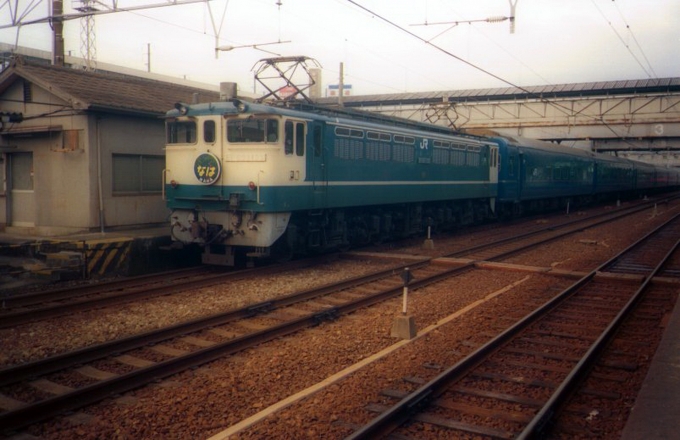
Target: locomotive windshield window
x=252, y=130
x=180, y=132
x=209, y=131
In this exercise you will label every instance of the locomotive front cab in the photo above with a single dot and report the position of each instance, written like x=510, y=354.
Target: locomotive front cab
x=234, y=172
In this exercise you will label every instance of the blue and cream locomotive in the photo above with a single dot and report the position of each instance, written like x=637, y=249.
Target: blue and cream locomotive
x=275, y=181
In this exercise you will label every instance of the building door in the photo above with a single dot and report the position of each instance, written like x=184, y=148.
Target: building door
x=22, y=197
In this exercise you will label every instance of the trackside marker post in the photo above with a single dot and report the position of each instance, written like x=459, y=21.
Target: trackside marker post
x=429, y=243
x=406, y=276
x=404, y=326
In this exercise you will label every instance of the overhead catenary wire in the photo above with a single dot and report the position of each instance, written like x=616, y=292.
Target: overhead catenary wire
x=476, y=67
x=637, y=43
x=626, y=45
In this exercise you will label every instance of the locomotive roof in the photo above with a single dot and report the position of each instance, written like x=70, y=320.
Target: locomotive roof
x=326, y=114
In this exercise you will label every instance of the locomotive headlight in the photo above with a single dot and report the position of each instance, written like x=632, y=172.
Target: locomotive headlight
x=240, y=105
x=183, y=109
x=174, y=183
x=252, y=186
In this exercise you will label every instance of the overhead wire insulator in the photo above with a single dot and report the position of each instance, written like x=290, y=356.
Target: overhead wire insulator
x=497, y=19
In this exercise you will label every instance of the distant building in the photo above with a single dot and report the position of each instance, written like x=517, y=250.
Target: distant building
x=82, y=151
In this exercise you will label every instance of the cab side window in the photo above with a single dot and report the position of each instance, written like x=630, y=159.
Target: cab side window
x=300, y=139
x=294, y=138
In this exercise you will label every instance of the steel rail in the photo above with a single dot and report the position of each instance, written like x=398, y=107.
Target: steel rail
x=132, y=294
x=63, y=293
x=540, y=422
x=33, y=413
x=54, y=363
x=611, y=216
x=395, y=416
x=11, y=319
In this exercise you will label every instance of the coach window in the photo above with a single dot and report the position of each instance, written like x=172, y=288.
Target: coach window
x=209, y=132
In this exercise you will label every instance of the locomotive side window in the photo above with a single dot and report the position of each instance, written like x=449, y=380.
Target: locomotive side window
x=349, y=132
x=295, y=138
x=209, y=132
x=375, y=136
x=180, y=132
x=399, y=139
x=288, y=147
x=300, y=139
x=252, y=130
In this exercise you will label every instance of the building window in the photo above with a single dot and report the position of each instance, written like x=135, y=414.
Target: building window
x=137, y=174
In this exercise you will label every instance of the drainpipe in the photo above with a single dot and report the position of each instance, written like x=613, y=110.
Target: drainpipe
x=99, y=174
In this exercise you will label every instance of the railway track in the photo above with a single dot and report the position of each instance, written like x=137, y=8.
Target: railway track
x=154, y=355
x=513, y=386
x=201, y=341
x=505, y=247
x=21, y=309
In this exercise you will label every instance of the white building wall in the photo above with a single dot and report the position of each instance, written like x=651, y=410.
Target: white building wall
x=65, y=197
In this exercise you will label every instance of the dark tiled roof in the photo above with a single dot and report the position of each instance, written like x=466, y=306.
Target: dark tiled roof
x=105, y=90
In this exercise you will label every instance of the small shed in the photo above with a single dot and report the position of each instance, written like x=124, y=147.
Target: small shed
x=82, y=151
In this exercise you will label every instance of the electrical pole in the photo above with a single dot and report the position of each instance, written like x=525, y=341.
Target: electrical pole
x=57, y=33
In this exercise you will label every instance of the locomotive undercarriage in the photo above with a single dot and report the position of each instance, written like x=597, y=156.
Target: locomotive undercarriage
x=312, y=232
x=223, y=234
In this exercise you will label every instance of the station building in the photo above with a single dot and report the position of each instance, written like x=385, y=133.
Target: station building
x=82, y=151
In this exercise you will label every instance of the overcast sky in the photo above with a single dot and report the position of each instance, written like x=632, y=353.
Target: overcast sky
x=554, y=42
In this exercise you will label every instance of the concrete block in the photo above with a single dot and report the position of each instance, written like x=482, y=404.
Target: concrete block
x=404, y=327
